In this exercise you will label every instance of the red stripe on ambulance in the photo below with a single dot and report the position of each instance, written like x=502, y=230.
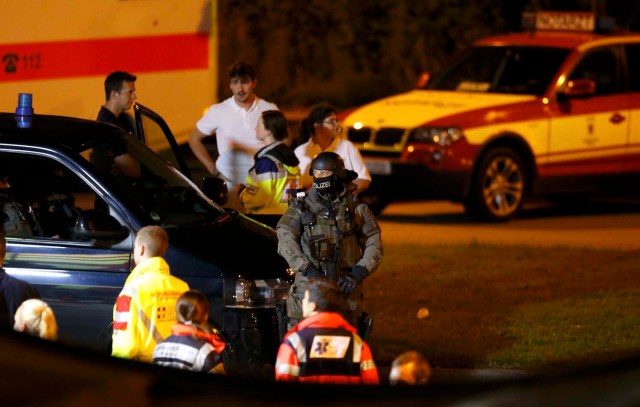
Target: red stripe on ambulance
x=97, y=57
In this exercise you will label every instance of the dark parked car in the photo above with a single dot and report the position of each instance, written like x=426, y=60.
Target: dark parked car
x=110, y=184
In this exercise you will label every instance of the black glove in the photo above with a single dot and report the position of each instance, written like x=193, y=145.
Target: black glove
x=349, y=282
x=311, y=271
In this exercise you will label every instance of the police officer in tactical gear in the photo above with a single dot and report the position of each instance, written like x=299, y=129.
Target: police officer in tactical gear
x=329, y=233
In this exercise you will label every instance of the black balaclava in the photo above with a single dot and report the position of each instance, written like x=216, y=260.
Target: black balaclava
x=330, y=185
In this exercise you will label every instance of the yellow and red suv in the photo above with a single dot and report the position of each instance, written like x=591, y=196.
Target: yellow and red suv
x=544, y=113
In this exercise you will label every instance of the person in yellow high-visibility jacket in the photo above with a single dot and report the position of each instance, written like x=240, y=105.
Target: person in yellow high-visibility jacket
x=145, y=310
x=275, y=176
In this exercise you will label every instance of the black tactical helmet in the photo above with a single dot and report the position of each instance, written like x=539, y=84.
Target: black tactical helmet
x=328, y=160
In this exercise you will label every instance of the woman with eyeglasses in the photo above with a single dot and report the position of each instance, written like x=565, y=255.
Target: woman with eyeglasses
x=321, y=131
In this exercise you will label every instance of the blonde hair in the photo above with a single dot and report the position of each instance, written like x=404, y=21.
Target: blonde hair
x=36, y=318
x=155, y=240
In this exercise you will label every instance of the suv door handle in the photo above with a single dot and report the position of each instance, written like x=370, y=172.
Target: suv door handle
x=616, y=118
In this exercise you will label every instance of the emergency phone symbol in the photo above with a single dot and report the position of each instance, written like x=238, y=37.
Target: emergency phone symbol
x=10, y=62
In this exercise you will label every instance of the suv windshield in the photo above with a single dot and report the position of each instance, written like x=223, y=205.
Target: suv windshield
x=154, y=190
x=515, y=70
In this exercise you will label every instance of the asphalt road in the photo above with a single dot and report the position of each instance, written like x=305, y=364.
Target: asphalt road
x=604, y=224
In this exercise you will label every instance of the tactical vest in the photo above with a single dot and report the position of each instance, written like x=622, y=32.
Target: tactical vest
x=330, y=234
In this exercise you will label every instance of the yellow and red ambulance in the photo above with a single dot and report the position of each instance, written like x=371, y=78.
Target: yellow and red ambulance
x=547, y=112
x=61, y=51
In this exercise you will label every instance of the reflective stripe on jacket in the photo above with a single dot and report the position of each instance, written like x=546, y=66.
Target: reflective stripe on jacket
x=324, y=348
x=272, y=181
x=145, y=310
x=190, y=349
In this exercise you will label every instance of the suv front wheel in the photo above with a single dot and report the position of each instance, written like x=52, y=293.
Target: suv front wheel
x=498, y=187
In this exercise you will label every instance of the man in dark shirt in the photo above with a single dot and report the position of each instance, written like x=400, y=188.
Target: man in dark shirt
x=12, y=291
x=120, y=93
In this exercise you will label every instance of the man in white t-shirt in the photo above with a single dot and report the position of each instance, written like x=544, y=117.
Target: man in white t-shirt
x=234, y=123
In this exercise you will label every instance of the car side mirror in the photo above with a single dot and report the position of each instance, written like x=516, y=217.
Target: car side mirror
x=97, y=225
x=215, y=189
x=578, y=88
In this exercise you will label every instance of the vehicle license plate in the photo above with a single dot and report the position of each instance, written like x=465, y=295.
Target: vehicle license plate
x=378, y=167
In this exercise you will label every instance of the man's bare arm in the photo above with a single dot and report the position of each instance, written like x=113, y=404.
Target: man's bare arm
x=362, y=184
x=200, y=151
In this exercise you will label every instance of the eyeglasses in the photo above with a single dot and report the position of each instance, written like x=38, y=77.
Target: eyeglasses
x=332, y=122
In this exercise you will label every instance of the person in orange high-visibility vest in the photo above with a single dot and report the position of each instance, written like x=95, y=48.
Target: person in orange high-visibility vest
x=324, y=347
x=145, y=310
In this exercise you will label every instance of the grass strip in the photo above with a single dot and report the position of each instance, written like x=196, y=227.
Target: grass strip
x=505, y=306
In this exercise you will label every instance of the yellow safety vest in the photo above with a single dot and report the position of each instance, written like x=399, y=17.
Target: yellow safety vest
x=269, y=193
x=145, y=310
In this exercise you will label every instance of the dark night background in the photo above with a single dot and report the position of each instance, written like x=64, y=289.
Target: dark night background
x=351, y=52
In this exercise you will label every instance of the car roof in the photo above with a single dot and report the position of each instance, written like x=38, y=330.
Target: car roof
x=557, y=39
x=72, y=133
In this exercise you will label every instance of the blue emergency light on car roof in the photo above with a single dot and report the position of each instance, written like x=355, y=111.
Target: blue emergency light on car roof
x=24, y=111
x=567, y=21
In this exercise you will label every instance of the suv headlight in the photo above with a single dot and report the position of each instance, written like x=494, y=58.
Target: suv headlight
x=442, y=136
x=244, y=293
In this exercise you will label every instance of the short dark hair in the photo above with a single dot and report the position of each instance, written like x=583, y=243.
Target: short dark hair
x=276, y=123
x=326, y=294
x=114, y=81
x=317, y=114
x=241, y=69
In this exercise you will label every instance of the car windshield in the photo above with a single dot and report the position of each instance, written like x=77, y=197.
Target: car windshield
x=515, y=70
x=153, y=189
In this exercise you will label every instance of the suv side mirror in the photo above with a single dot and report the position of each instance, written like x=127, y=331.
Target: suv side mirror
x=578, y=88
x=97, y=225
x=215, y=189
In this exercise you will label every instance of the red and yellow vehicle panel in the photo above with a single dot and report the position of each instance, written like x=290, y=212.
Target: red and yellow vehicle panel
x=61, y=52
x=542, y=113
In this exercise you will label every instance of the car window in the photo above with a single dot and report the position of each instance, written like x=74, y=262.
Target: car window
x=156, y=140
x=515, y=70
x=154, y=191
x=633, y=66
x=43, y=198
x=601, y=67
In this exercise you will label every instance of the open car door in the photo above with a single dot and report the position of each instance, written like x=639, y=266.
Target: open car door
x=152, y=130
